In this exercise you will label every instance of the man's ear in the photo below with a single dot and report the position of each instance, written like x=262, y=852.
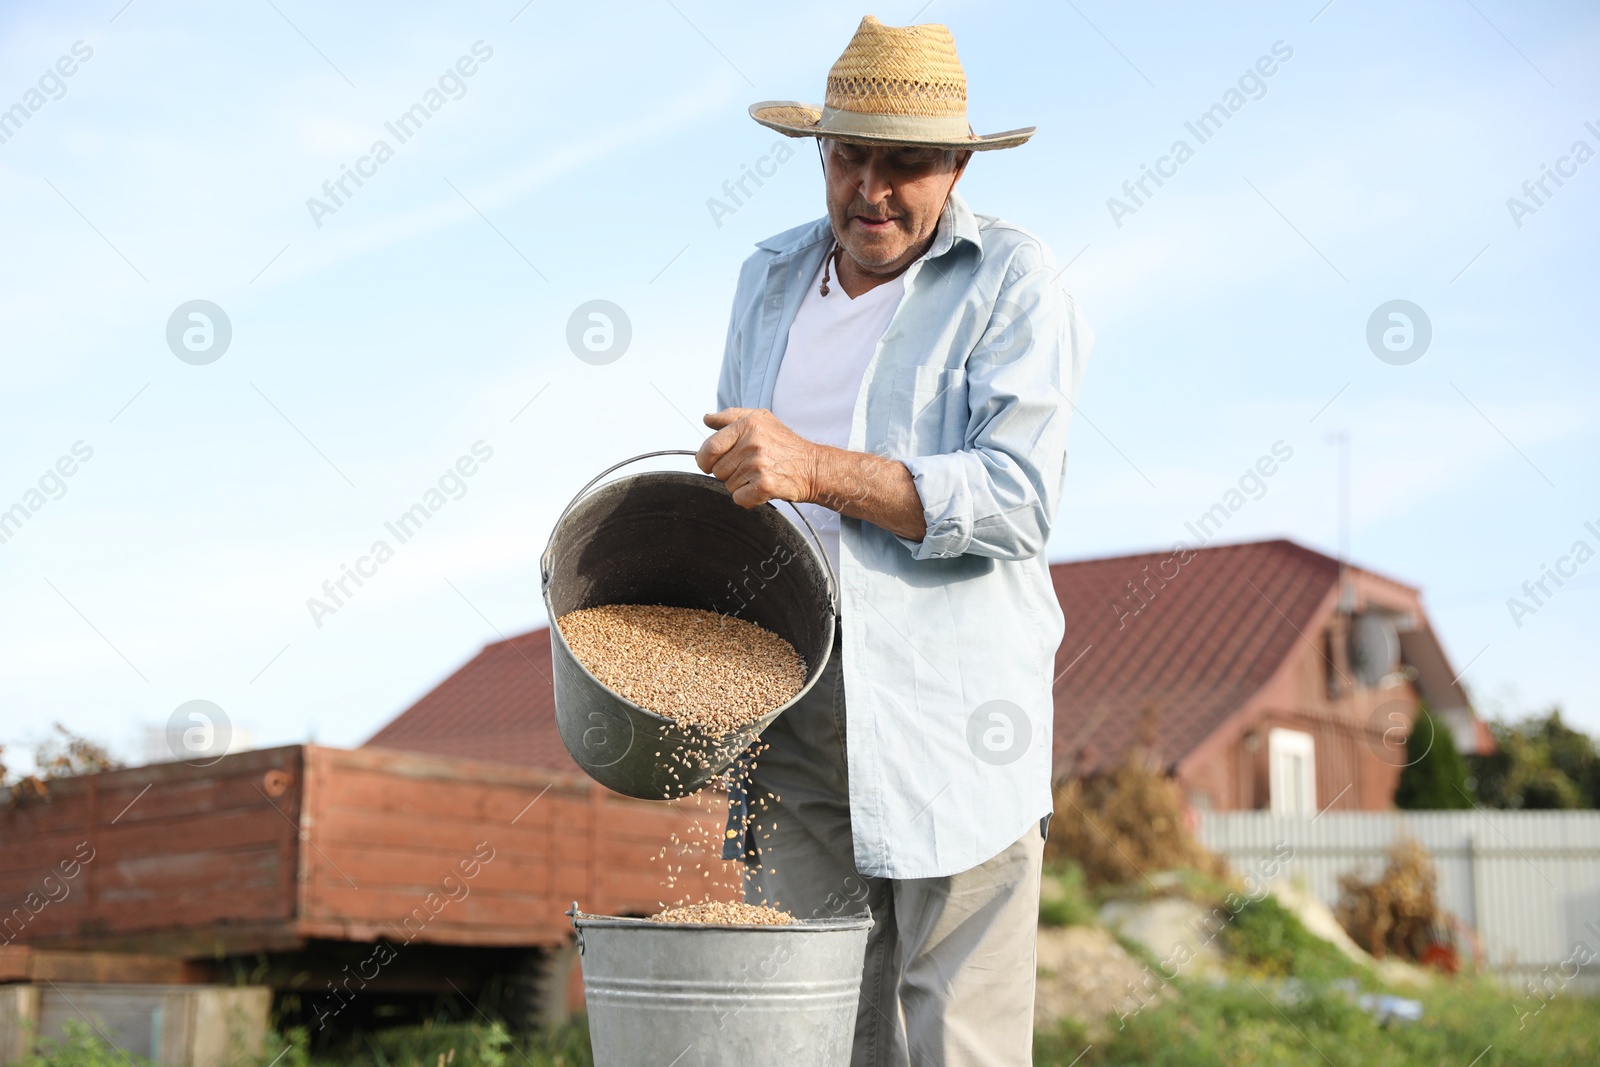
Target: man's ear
x=961, y=167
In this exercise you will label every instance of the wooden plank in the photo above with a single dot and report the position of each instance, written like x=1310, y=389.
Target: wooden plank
x=230, y=830
x=185, y=798
x=116, y=914
x=448, y=840
x=40, y=820
x=124, y=785
x=441, y=849
x=367, y=790
x=542, y=934
x=218, y=870
x=27, y=863
x=188, y=942
x=388, y=907
x=453, y=768
x=314, y=771
x=376, y=865
x=27, y=964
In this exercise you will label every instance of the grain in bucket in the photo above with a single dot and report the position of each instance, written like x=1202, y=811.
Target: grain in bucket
x=675, y=539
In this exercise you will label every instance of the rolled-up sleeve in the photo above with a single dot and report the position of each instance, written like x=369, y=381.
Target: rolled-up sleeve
x=998, y=495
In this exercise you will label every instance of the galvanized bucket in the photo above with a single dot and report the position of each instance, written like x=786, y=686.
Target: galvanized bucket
x=695, y=995
x=677, y=539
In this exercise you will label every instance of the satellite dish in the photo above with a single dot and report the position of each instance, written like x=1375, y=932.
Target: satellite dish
x=1374, y=647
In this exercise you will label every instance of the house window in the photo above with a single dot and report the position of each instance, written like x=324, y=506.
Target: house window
x=1292, y=772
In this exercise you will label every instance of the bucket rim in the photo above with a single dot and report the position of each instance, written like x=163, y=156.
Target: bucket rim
x=861, y=921
x=814, y=544
x=704, y=481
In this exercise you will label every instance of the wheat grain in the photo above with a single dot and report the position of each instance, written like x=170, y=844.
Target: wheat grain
x=729, y=913
x=697, y=668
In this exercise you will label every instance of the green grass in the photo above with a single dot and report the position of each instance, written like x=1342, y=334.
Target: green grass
x=433, y=1045
x=1229, y=1025
x=1266, y=938
x=1236, y=1025
x=80, y=1046
x=1064, y=898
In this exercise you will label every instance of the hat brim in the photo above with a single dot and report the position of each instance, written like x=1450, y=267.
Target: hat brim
x=794, y=119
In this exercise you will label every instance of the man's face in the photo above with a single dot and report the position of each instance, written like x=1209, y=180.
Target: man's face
x=884, y=201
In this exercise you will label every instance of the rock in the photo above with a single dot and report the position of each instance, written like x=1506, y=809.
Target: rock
x=1086, y=976
x=1319, y=919
x=1179, y=933
x=1402, y=972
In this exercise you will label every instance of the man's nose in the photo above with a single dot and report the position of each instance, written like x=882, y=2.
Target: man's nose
x=875, y=186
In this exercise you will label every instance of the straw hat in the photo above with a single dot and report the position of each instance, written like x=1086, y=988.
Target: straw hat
x=899, y=85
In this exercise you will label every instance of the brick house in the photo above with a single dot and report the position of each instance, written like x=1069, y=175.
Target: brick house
x=1258, y=676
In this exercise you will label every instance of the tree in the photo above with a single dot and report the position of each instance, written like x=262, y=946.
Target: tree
x=65, y=754
x=62, y=755
x=1435, y=777
x=1540, y=763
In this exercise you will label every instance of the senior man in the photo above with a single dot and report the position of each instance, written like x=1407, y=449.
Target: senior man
x=903, y=370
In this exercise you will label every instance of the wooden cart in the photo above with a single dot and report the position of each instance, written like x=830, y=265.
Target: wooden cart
x=331, y=872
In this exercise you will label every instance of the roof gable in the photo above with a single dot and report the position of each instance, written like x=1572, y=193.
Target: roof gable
x=1185, y=638
x=499, y=706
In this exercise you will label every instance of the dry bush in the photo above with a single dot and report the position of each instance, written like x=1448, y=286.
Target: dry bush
x=1399, y=912
x=1126, y=824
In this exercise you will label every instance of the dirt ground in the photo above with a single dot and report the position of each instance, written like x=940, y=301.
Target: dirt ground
x=1084, y=975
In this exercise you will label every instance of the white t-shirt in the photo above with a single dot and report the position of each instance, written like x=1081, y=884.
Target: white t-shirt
x=831, y=341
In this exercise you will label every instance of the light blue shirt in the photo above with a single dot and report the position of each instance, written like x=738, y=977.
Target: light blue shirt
x=948, y=642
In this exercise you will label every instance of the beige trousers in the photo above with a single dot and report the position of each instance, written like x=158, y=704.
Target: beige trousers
x=948, y=979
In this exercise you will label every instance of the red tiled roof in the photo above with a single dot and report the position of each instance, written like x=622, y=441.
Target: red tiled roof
x=499, y=706
x=1204, y=641
x=1190, y=653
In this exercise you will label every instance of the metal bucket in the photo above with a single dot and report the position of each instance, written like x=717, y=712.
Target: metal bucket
x=676, y=539
x=696, y=995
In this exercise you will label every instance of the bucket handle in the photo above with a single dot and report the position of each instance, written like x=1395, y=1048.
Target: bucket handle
x=827, y=564
x=574, y=913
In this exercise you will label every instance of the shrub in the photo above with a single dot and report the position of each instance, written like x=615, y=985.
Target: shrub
x=1122, y=825
x=1399, y=911
x=1435, y=776
x=1538, y=763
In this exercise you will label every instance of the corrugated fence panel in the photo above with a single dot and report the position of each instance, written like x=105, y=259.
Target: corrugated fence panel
x=1528, y=881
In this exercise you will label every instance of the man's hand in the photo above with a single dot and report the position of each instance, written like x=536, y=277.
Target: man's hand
x=758, y=457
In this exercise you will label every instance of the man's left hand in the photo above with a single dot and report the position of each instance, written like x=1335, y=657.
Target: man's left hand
x=758, y=458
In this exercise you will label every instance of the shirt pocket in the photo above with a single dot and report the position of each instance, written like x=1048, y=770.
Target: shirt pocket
x=929, y=411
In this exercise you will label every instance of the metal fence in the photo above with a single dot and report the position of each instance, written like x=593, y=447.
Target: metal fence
x=1528, y=882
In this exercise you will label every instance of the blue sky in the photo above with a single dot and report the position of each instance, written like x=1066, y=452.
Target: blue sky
x=429, y=312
